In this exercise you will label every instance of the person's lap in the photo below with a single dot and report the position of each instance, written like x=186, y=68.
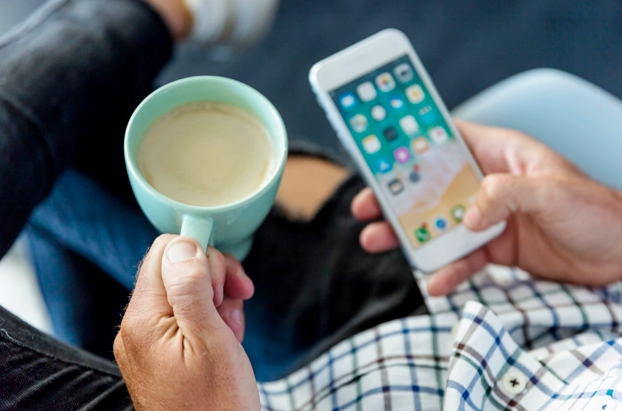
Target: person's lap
x=285, y=272
x=295, y=308
x=314, y=285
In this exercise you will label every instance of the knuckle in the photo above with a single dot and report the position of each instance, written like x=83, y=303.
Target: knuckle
x=117, y=346
x=187, y=284
x=217, y=263
x=494, y=186
x=162, y=240
x=514, y=133
x=132, y=335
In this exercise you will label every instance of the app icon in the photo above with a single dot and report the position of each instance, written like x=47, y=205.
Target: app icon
x=384, y=166
x=358, y=123
x=366, y=91
x=347, y=101
x=396, y=102
x=414, y=176
x=409, y=125
x=371, y=144
x=402, y=155
x=420, y=145
x=422, y=234
x=440, y=223
x=403, y=72
x=385, y=82
x=396, y=186
x=390, y=134
x=415, y=94
x=378, y=113
x=438, y=135
x=457, y=212
x=428, y=115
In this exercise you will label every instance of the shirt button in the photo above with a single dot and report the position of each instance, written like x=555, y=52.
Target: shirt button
x=513, y=382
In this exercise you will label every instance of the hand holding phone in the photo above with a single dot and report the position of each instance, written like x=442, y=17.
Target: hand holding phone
x=392, y=122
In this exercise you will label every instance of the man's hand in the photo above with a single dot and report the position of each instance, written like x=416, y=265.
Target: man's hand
x=561, y=225
x=178, y=347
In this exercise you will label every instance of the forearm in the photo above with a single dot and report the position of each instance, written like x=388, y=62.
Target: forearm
x=69, y=79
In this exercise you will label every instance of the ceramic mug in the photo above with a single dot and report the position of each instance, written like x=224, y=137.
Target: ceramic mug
x=228, y=227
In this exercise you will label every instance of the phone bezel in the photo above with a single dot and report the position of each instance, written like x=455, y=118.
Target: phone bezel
x=356, y=61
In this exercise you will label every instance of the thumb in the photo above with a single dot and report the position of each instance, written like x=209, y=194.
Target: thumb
x=187, y=277
x=502, y=195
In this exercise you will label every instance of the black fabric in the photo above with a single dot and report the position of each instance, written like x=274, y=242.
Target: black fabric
x=315, y=285
x=39, y=373
x=105, y=55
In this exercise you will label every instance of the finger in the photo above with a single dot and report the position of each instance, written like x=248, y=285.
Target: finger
x=147, y=307
x=448, y=278
x=500, y=150
x=378, y=237
x=218, y=272
x=502, y=195
x=149, y=295
x=187, y=278
x=237, y=284
x=365, y=205
x=232, y=312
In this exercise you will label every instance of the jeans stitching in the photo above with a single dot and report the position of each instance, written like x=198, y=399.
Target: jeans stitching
x=37, y=18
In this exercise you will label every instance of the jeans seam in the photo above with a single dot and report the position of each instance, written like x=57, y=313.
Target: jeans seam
x=37, y=18
x=4, y=335
x=31, y=117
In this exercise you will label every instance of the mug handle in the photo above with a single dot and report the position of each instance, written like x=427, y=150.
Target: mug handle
x=198, y=228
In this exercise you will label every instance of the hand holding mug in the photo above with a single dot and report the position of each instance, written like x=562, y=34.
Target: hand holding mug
x=178, y=345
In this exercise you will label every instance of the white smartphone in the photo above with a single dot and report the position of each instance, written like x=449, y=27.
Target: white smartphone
x=389, y=117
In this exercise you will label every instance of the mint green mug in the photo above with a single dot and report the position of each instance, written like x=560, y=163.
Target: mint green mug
x=228, y=227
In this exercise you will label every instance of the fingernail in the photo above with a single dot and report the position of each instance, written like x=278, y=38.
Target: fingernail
x=220, y=295
x=243, y=273
x=181, y=251
x=473, y=217
x=236, y=316
x=431, y=284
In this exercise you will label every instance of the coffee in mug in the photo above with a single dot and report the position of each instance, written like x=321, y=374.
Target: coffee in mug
x=206, y=154
x=211, y=141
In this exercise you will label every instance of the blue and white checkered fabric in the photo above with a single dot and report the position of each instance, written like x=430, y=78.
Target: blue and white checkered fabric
x=501, y=341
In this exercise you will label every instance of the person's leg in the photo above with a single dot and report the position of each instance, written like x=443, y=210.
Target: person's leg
x=86, y=244
x=314, y=284
x=39, y=373
x=72, y=72
x=84, y=303
x=83, y=216
x=569, y=114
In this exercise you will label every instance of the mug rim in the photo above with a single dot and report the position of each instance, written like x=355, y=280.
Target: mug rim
x=273, y=113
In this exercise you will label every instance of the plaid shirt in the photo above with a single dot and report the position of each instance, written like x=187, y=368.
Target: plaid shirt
x=503, y=340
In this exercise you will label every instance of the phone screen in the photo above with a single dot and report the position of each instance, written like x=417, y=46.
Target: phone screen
x=409, y=148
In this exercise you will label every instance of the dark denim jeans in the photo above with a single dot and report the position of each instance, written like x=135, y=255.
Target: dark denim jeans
x=70, y=78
